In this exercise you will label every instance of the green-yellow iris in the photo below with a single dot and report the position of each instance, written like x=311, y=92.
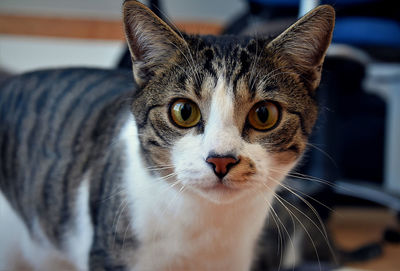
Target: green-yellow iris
x=185, y=113
x=263, y=115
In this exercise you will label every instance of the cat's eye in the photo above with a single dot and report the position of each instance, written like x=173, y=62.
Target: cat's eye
x=185, y=113
x=263, y=116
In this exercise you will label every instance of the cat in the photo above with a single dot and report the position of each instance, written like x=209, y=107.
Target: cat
x=174, y=170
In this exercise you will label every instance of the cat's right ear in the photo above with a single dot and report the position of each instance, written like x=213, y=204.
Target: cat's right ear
x=303, y=46
x=152, y=43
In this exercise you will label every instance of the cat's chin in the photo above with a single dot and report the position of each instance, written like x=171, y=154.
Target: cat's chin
x=220, y=193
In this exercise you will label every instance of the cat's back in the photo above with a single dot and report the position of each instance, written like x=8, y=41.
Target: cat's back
x=50, y=121
x=59, y=93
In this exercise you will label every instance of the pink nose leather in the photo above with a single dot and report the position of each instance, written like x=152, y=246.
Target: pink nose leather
x=221, y=164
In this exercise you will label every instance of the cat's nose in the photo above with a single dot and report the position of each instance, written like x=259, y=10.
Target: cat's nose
x=221, y=164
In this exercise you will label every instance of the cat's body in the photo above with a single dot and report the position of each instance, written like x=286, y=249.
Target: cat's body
x=69, y=124
x=183, y=183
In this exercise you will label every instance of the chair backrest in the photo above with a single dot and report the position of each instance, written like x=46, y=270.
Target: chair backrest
x=355, y=24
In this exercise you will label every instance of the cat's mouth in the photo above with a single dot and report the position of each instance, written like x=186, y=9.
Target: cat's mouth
x=220, y=187
x=221, y=192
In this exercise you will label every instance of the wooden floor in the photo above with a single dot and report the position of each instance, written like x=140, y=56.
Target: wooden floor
x=353, y=228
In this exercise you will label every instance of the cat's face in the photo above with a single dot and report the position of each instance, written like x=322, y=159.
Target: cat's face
x=224, y=117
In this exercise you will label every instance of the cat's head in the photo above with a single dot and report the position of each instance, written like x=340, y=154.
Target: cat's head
x=225, y=116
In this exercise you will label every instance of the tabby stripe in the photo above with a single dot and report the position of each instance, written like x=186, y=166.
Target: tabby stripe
x=32, y=124
x=153, y=142
x=209, y=67
x=146, y=118
x=55, y=106
x=3, y=153
x=41, y=102
x=145, y=153
x=109, y=189
x=96, y=201
x=98, y=217
x=287, y=142
x=282, y=145
x=50, y=188
x=10, y=99
x=67, y=183
x=100, y=260
x=20, y=116
x=244, y=69
x=294, y=148
x=160, y=136
x=311, y=92
x=197, y=85
x=302, y=125
x=12, y=87
x=51, y=139
x=79, y=100
x=4, y=140
x=65, y=211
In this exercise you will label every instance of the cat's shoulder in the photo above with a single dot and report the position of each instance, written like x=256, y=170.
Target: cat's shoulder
x=55, y=87
x=78, y=74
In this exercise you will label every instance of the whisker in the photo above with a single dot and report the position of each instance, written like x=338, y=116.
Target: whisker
x=298, y=175
x=287, y=232
x=324, y=153
x=191, y=65
x=314, y=179
x=112, y=195
x=117, y=217
x=310, y=197
x=160, y=168
x=182, y=189
x=253, y=65
x=174, y=184
x=281, y=201
x=302, y=193
x=281, y=246
x=126, y=231
x=323, y=232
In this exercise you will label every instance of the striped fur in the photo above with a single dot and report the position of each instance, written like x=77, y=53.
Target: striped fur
x=56, y=128
x=82, y=151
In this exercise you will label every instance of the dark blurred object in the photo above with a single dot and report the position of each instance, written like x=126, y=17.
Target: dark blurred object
x=365, y=253
x=277, y=12
x=3, y=75
x=352, y=123
x=392, y=236
x=316, y=266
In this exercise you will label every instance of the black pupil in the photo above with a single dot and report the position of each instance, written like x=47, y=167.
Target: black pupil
x=186, y=111
x=262, y=113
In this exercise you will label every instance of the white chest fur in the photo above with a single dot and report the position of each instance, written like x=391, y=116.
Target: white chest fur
x=182, y=231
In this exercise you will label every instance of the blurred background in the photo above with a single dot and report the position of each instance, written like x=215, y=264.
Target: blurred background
x=53, y=33
x=353, y=162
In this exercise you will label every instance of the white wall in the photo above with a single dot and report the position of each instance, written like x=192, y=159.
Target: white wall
x=20, y=54
x=214, y=10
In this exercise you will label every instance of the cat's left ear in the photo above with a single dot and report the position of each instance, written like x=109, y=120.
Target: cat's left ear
x=303, y=45
x=153, y=43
